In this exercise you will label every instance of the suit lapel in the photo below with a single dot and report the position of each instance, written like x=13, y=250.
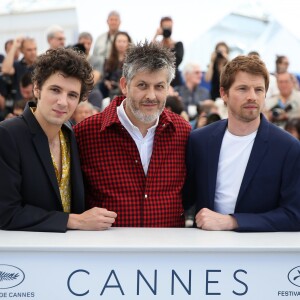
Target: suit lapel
x=42, y=149
x=41, y=146
x=257, y=154
x=214, y=147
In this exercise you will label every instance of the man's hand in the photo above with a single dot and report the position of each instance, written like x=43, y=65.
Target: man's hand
x=18, y=42
x=209, y=220
x=95, y=218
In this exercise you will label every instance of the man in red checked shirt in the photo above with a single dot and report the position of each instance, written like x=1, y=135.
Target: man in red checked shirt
x=133, y=153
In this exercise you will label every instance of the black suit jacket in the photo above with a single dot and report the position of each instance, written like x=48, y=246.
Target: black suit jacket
x=29, y=192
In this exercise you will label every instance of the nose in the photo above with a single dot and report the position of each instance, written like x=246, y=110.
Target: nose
x=252, y=94
x=62, y=99
x=151, y=94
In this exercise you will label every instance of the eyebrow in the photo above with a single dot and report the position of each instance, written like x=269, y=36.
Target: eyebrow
x=59, y=87
x=246, y=85
x=143, y=81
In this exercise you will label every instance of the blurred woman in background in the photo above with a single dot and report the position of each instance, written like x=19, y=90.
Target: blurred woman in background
x=113, y=65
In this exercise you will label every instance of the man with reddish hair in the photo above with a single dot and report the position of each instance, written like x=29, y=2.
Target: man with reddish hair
x=244, y=172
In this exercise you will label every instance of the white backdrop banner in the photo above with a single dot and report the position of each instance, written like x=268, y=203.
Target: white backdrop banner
x=149, y=275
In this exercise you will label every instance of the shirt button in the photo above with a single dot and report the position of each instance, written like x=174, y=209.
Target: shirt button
x=136, y=161
x=163, y=125
x=146, y=196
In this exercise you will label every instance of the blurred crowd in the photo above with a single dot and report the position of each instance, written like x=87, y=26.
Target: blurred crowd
x=193, y=94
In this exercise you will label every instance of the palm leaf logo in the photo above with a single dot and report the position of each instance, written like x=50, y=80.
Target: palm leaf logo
x=297, y=276
x=8, y=276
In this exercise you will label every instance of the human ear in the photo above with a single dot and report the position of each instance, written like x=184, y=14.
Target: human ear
x=123, y=85
x=36, y=91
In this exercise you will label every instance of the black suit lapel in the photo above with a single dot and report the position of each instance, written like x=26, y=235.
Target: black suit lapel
x=214, y=146
x=257, y=154
x=41, y=146
x=42, y=149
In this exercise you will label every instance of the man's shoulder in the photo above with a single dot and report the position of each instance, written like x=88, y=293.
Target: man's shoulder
x=10, y=124
x=277, y=139
x=16, y=123
x=15, y=127
x=211, y=128
x=180, y=88
x=20, y=63
x=280, y=136
x=202, y=89
x=101, y=37
x=295, y=95
x=176, y=119
x=100, y=121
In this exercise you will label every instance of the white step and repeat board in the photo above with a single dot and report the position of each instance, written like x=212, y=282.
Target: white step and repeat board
x=142, y=274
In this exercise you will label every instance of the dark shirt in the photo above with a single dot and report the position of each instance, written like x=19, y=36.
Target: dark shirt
x=178, y=51
x=113, y=75
x=21, y=68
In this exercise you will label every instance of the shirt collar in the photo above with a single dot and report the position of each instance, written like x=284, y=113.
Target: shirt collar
x=110, y=116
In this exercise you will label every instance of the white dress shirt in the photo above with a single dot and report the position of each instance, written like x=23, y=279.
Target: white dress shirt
x=144, y=144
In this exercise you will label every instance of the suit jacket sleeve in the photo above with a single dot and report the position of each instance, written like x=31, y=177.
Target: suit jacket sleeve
x=286, y=216
x=16, y=211
x=189, y=191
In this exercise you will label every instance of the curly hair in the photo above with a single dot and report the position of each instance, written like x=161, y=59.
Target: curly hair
x=70, y=62
x=149, y=57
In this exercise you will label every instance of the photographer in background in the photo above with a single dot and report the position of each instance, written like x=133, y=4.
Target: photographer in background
x=218, y=60
x=286, y=104
x=165, y=30
x=13, y=70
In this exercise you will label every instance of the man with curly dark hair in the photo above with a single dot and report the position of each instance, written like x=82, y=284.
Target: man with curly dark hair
x=41, y=181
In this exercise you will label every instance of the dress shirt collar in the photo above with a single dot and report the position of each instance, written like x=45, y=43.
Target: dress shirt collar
x=110, y=116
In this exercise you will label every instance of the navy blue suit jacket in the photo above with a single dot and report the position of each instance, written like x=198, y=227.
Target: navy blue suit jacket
x=29, y=193
x=269, y=196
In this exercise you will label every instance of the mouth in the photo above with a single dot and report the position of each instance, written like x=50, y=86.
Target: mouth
x=150, y=103
x=251, y=106
x=59, y=112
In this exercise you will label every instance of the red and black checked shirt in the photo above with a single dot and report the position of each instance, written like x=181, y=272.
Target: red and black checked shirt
x=114, y=175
